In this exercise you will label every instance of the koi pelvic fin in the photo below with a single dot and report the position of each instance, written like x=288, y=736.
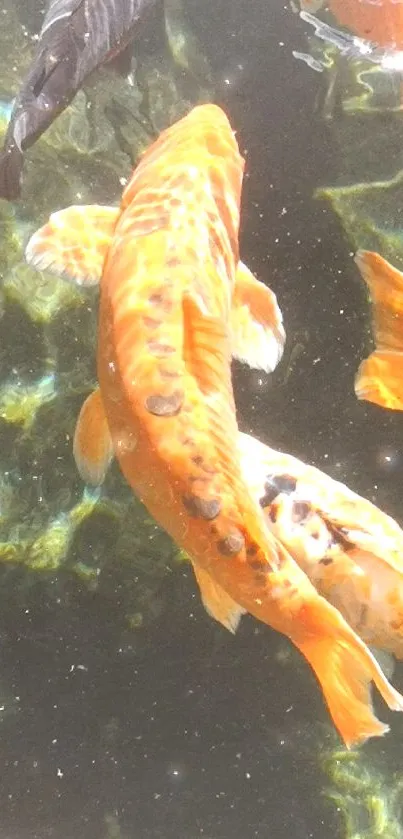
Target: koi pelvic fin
x=217, y=602
x=92, y=447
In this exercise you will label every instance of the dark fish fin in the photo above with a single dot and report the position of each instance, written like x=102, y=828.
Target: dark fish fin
x=11, y=162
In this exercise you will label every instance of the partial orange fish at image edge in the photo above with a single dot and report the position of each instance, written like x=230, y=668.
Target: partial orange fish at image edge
x=380, y=376
x=176, y=304
x=379, y=22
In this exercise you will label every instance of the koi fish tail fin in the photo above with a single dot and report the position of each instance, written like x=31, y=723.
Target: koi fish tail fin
x=11, y=161
x=380, y=377
x=379, y=380
x=345, y=668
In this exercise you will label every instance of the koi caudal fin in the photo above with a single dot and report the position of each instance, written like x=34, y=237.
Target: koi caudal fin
x=345, y=669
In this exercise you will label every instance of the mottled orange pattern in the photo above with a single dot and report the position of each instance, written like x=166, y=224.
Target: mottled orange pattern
x=174, y=305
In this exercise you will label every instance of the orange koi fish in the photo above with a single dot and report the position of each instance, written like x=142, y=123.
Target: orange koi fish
x=380, y=376
x=175, y=305
x=350, y=550
x=380, y=22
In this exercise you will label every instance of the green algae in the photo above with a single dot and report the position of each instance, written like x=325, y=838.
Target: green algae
x=16, y=50
x=367, y=799
x=10, y=246
x=365, y=211
x=20, y=403
x=40, y=294
x=362, y=107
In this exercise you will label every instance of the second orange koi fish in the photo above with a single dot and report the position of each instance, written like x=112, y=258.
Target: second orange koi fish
x=351, y=551
x=175, y=305
x=380, y=376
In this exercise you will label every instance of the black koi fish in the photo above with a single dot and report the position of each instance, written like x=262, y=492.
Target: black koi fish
x=76, y=38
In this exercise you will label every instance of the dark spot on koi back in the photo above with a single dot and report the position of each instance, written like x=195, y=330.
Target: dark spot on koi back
x=260, y=579
x=158, y=299
x=339, y=535
x=257, y=564
x=232, y=544
x=203, y=508
x=151, y=323
x=165, y=406
x=300, y=511
x=276, y=484
x=165, y=373
x=159, y=349
x=199, y=460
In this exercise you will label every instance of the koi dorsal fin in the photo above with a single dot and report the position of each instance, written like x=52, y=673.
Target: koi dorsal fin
x=206, y=345
x=93, y=447
x=74, y=242
x=258, y=334
x=217, y=602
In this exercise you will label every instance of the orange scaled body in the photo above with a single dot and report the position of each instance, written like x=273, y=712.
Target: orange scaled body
x=175, y=305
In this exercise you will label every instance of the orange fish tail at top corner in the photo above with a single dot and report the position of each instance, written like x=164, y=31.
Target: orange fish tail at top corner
x=379, y=22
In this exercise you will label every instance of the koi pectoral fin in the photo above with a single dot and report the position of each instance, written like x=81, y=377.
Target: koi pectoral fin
x=217, y=602
x=74, y=242
x=93, y=447
x=258, y=334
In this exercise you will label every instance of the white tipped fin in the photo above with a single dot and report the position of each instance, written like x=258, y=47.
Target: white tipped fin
x=258, y=334
x=217, y=602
